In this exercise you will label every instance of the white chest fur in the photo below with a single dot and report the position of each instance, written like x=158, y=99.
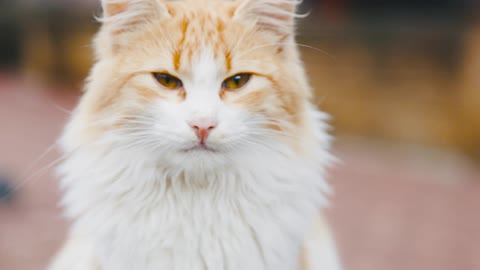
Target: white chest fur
x=143, y=217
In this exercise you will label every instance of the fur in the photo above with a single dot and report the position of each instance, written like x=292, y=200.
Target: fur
x=140, y=197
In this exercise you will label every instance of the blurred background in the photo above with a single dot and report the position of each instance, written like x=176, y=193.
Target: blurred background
x=401, y=79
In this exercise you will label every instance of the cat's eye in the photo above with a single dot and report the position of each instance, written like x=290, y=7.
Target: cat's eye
x=236, y=81
x=168, y=81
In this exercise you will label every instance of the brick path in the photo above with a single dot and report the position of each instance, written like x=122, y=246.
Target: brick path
x=394, y=209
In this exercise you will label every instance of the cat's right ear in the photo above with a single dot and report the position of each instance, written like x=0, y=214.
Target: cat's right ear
x=274, y=16
x=112, y=8
x=121, y=17
x=129, y=8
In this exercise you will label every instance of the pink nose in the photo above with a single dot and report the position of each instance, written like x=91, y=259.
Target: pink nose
x=202, y=127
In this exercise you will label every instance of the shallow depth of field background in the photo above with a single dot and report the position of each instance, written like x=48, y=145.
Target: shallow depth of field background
x=401, y=79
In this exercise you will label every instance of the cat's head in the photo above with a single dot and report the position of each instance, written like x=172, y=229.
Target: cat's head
x=194, y=82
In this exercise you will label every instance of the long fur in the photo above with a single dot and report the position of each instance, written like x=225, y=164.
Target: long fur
x=139, y=200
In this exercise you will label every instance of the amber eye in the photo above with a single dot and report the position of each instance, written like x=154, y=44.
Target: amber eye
x=168, y=81
x=236, y=82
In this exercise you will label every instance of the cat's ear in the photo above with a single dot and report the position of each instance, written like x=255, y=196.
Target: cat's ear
x=127, y=14
x=121, y=17
x=275, y=16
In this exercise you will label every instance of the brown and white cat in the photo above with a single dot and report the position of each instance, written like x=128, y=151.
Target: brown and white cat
x=195, y=145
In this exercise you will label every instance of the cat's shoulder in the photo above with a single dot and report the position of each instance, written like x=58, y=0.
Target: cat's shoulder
x=319, y=250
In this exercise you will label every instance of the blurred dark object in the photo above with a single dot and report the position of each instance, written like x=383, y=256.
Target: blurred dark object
x=56, y=44
x=411, y=7
x=10, y=37
x=6, y=190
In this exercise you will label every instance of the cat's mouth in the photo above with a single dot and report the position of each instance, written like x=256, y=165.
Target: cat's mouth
x=201, y=147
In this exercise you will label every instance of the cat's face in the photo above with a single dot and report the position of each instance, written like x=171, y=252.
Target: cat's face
x=195, y=81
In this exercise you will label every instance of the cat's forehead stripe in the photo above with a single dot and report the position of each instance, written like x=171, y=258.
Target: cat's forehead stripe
x=199, y=32
x=177, y=56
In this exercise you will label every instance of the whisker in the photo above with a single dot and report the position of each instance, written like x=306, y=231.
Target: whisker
x=37, y=160
x=286, y=43
x=62, y=109
x=39, y=173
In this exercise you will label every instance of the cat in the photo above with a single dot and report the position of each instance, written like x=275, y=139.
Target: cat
x=196, y=145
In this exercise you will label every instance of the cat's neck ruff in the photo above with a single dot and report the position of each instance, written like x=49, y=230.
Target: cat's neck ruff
x=250, y=215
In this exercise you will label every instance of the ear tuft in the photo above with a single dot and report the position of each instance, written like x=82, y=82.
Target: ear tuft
x=276, y=16
x=112, y=8
x=126, y=15
x=121, y=17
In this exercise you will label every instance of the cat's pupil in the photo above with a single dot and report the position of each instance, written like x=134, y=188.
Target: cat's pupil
x=237, y=79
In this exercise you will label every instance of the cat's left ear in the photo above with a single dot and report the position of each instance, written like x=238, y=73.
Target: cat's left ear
x=275, y=16
x=122, y=17
x=116, y=7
